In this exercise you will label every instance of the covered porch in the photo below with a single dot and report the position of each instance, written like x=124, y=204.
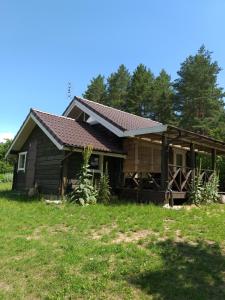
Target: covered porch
x=160, y=166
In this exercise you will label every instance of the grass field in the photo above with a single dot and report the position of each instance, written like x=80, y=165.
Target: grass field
x=110, y=252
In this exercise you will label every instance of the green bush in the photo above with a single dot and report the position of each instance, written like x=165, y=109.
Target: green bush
x=204, y=192
x=85, y=192
x=7, y=177
x=104, y=188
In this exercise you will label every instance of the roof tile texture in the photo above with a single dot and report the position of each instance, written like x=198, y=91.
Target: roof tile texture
x=69, y=132
x=122, y=120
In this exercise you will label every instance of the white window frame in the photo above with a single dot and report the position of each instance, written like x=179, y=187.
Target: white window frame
x=25, y=160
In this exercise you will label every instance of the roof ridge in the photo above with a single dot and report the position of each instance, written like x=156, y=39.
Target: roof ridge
x=47, y=113
x=125, y=112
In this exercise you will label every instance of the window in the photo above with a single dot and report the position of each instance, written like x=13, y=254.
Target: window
x=22, y=161
x=96, y=163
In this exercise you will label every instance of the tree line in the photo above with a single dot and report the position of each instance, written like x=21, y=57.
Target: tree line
x=192, y=101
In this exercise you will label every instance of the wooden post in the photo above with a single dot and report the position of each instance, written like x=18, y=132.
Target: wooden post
x=213, y=158
x=64, y=176
x=164, y=164
x=192, y=160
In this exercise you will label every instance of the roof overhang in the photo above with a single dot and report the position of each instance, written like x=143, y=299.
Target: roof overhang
x=183, y=138
x=140, y=131
x=25, y=130
x=93, y=116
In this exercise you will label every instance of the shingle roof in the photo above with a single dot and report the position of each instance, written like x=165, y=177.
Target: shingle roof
x=122, y=120
x=69, y=132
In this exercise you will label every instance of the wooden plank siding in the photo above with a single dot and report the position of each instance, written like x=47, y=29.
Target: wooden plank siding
x=144, y=156
x=47, y=164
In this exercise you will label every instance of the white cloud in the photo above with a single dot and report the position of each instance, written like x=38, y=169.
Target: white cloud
x=6, y=135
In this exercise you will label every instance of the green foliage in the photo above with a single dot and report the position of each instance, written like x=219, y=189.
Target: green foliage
x=6, y=177
x=210, y=191
x=96, y=90
x=199, y=100
x=104, y=188
x=204, y=192
x=196, y=191
x=5, y=166
x=194, y=101
x=85, y=193
x=117, y=88
x=140, y=92
x=163, y=99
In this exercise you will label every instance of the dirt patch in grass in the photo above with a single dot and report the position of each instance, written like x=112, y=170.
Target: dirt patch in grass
x=5, y=286
x=130, y=237
x=104, y=230
x=38, y=233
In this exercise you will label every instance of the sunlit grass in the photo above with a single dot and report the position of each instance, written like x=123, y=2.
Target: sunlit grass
x=109, y=252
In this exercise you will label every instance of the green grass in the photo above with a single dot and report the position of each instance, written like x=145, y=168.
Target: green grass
x=109, y=252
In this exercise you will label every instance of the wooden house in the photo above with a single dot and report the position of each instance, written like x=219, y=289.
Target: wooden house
x=147, y=160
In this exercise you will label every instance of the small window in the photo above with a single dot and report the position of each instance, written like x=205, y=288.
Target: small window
x=22, y=161
x=94, y=162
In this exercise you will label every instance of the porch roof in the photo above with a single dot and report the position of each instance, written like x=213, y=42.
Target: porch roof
x=183, y=138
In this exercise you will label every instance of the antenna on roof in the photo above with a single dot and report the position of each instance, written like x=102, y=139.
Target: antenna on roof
x=69, y=88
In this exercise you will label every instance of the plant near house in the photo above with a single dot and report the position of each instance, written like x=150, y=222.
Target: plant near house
x=104, y=188
x=196, y=192
x=85, y=192
x=210, y=191
x=204, y=192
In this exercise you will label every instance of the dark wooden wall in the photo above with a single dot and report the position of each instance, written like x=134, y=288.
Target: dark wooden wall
x=47, y=164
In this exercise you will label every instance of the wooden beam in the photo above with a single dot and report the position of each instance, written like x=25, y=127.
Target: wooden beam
x=164, y=164
x=213, y=158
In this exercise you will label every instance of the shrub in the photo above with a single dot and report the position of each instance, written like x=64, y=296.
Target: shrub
x=204, y=193
x=7, y=177
x=85, y=193
x=104, y=188
x=210, y=191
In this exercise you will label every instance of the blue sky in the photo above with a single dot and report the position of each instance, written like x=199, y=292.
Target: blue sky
x=46, y=44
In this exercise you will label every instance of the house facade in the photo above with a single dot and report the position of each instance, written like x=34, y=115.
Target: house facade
x=146, y=160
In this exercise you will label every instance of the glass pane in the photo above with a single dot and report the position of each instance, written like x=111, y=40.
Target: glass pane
x=94, y=162
x=22, y=161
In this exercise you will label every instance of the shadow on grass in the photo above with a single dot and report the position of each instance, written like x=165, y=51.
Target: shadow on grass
x=187, y=272
x=15, y=196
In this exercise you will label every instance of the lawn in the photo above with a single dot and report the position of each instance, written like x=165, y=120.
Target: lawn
x=122, y=251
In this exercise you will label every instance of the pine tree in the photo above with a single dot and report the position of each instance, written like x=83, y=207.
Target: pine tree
x=199, y=100
x=140, y=91
x=163, y=99
x=117, y=90
x=96, y=90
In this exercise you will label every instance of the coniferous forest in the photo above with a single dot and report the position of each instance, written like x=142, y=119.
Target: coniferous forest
x=193, y=101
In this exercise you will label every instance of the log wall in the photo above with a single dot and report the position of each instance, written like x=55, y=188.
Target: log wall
x=46, y=172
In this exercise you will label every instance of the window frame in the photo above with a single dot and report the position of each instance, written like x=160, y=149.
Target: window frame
x=24, y=153
x=99, y=170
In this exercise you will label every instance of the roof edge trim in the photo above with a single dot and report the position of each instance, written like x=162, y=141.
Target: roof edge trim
x=29, y=117
x=98, y=118
x=18, y=134
x=141, y=131
x=55, y=142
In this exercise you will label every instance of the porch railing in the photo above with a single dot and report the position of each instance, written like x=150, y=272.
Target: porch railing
x=180, y=178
